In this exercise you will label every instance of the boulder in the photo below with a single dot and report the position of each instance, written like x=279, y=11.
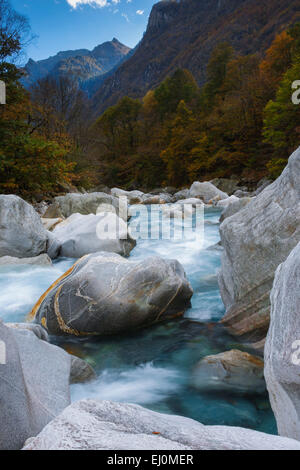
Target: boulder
x=41, y=260
x=134, y=197
x=183, y=194
x=50, y=224
x=256, y=240
x=105, y=294
x=34, y=385
x=243, y=193
x=224, y=203
x=104, y=425
x=227, y=185
x=88, y=203
x=22, y=234
x=80, y=235
x=235, y=206
x=206, y=191
x=152, y=199
x=282, y=350
x=233, y=371
x=38, y=330
x=192, y=201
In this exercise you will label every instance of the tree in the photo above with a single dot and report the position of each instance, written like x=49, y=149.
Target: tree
x=177, y=155
x=180, y=86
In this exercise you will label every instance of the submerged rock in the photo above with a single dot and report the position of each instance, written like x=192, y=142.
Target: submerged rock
x=22, y=234
x=103, y=425
x=256, y=240
x=80, y=235
x=234, y=371
x=105, y=294
x=282, y=350
x=34, y=385
x=81, y=371
x=206, y=191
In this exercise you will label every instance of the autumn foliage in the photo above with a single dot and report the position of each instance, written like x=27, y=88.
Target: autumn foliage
x=242, y=122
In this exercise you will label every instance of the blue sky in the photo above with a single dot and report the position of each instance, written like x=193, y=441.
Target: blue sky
x=75, y=24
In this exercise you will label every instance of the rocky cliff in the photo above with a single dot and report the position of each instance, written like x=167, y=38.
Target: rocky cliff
x=183, y=34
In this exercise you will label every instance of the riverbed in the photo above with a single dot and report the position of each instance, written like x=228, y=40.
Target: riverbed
x=154, y=367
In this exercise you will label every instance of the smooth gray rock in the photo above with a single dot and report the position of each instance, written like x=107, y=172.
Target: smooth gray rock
x=80, y=235
x=72, y=203
x=243, y=193
x=233, y=371
x=134, y=197
x=227, y=185
x=224, y=203
x=256, y=240
x=22, y=234
x=103, y=425
x=41, y=260
x=38, y=330
x=207, y=192
x=234, y=207
x=183, y=194
x=105, y=294
x=282, y=349
x=34, y=385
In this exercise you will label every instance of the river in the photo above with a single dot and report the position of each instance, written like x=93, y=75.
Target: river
x=153, y=367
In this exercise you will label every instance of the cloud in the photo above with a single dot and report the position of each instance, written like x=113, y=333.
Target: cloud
x=140, y=12
x=93, y=3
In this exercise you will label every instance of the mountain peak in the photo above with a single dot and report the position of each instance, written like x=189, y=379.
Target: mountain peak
x=82, y=64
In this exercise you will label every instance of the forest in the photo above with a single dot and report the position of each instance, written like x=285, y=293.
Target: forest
x=241, y=123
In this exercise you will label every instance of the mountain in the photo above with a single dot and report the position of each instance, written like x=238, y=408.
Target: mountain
x=81, y=64
x=182, y=34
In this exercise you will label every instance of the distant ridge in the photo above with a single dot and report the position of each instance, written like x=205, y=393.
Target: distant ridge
x=81, y=64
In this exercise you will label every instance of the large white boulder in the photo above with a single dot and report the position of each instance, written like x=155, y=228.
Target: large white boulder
x=207, y=192
x=282, y=350
x=22, y=234
x=80, y=235
x=103, y=425
x=256, y=240
x=105, y=294
x=88, y=203
x=34, y=385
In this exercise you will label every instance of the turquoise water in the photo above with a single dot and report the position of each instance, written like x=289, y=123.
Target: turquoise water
x=153, y=367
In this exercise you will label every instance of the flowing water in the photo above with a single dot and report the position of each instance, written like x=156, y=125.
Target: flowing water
x=154, y=367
